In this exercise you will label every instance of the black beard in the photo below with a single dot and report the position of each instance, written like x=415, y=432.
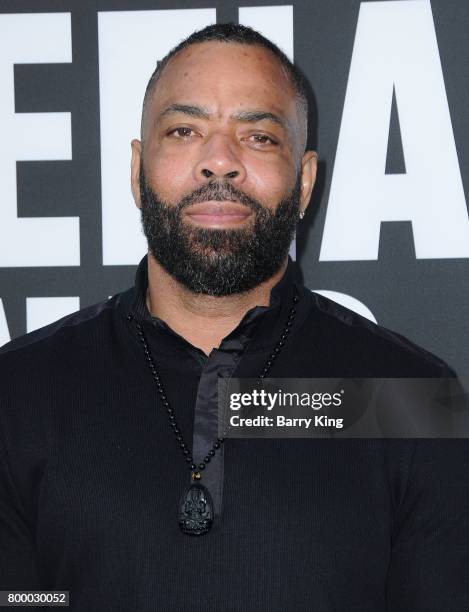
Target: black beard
x=218, y=261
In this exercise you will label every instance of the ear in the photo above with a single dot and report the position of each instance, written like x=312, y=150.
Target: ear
x=135, y=170
x=309, y=163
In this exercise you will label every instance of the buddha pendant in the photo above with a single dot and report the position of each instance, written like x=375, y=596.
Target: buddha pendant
x=195, y=514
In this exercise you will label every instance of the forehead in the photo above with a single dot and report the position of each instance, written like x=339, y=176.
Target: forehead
x=225, y=75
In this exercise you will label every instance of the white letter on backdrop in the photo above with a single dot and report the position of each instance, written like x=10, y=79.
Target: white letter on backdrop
x=395, y=46
x=33, y=38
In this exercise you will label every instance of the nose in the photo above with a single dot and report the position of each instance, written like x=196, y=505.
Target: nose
x=219, y=160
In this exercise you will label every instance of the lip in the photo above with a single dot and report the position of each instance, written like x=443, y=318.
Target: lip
x=212, y=213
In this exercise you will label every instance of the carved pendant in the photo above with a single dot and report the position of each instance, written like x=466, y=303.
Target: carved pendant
x=196, y=510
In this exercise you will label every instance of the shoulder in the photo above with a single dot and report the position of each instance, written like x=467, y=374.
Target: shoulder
x=51, y=379
x=76, y=332
x=381, y=351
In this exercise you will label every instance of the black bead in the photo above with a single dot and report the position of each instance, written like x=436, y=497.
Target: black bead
x=189, y=459
x=211, y=453
x=193, y=466
x=207, y=459
x=179, y=438
x=201, y=466
x=216, y=445
x=129, y=317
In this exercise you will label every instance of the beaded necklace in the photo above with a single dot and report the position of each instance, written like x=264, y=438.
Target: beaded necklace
x=195, y=512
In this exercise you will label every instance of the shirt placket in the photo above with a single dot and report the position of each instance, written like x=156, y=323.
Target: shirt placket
x=220, y=364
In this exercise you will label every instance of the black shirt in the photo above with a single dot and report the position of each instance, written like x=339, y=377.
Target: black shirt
x=91, y=476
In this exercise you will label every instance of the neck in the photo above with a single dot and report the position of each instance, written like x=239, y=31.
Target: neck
x=203, y=320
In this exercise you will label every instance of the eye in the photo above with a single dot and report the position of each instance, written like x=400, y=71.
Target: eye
x=181, y=132
x=262, y=139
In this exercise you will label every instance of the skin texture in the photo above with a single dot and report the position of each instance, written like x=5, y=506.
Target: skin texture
x=219, y=111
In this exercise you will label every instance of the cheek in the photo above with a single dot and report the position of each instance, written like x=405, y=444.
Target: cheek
x=169, y=174
x=270, y=182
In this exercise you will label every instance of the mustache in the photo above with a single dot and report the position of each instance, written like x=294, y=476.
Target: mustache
x=221, y=191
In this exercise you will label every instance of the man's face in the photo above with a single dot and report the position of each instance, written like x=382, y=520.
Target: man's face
x=220, y=176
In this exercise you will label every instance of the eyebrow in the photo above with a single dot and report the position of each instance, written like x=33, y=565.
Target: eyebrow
x=253, y=116
x=186, y=109
x=200, y=112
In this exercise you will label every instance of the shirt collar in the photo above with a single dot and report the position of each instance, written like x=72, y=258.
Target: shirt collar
x=268, y=320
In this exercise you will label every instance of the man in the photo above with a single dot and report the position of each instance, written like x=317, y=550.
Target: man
x=94, y=492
